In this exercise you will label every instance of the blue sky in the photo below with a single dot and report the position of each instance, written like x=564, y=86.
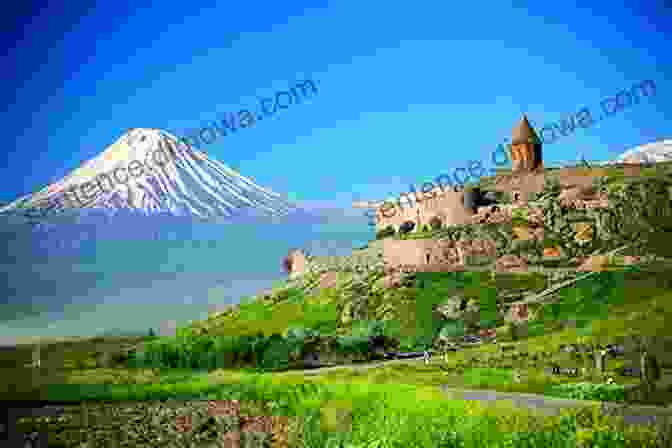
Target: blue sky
x=406, y=91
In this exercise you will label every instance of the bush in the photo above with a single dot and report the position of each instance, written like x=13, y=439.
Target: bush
x=386, y=232
x=358, y=345
x=425, y=228
x=276, y=354
x=452, y=329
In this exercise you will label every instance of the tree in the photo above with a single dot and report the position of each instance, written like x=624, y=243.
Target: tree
x=276, y=354
x=384, y=233
x=151, y=333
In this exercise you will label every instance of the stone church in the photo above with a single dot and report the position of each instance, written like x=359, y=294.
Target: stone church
x=447, y=205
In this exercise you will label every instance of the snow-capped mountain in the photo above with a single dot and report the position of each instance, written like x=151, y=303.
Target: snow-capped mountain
x=649, y=153
x=151, y=172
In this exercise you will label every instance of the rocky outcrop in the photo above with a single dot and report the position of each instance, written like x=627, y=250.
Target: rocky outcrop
x=328, y=280
x=511, y=263
x=576, y=193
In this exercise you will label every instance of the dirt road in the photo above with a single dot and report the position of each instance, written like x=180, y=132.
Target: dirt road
x=632, y=414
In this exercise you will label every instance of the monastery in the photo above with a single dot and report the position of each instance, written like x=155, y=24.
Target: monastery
x=447, y=205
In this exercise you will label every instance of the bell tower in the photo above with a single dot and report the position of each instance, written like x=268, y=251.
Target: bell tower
x=526, y=152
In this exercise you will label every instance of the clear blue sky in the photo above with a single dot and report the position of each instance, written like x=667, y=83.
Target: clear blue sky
x=406, y=90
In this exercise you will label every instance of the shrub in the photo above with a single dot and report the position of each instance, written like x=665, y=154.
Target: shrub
x=276, y=354
x=452, y=329
x=386, y=232
x=425, y=228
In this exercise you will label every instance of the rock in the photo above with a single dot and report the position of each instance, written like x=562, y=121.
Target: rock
x=517, y=313
x=584, y=232
x=594, y=263
x=575, y=193
x=328, y=280
x=552, y=252
x=522, y=233
x=509, y=263
x=393, y=280
x=487, y=333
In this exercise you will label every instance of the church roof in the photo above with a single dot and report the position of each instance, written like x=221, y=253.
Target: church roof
x=523, y=133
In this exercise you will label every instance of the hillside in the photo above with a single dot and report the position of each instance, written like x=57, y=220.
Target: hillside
x=539, y=328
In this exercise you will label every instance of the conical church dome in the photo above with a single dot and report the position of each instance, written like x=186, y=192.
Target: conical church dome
x=525, y=147
x=523, y=133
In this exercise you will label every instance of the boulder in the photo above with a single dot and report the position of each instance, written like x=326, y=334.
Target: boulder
x=584, y=231
x=577, y=193
x=594, y=263
x=552, y=252
x=328, y=280
x=393, y=280
x=523, y=233
x=510, y=263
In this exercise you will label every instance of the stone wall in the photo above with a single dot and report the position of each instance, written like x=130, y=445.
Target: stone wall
x=370, y=258
x=433, y=254
x=447, y=205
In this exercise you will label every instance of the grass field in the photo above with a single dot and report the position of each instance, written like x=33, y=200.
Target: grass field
x=633, y=304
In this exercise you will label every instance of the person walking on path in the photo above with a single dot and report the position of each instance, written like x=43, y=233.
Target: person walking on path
x=427, y=357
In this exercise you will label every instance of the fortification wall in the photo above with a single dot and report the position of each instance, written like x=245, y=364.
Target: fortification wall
x=367, y=259
x=420, y=252
x=447, y=206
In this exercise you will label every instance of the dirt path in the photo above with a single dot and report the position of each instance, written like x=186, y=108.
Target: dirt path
x=632, y=414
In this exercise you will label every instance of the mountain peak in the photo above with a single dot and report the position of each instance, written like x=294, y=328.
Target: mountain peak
x=151, y=171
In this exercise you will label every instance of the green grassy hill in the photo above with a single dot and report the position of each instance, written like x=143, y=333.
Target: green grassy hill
x=251, y=352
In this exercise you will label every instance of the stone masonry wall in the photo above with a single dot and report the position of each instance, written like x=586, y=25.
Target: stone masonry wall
x=447, y=206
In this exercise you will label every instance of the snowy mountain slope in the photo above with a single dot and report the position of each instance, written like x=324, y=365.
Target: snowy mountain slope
x=147, y=171
x=649, y=153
